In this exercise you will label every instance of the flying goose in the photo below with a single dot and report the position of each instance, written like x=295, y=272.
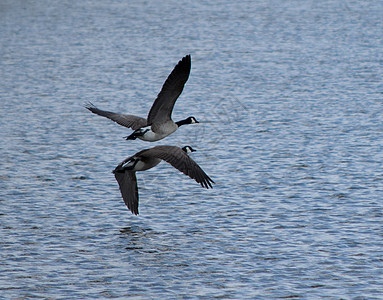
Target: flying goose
x=158, y=123
x=125, y=172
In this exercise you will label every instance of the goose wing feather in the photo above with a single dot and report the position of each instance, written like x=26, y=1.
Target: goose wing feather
x=162, y=108
x=127, y=181
x=129, y=121
x=181, y=161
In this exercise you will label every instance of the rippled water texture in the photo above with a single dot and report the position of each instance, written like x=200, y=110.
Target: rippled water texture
x=289, y=95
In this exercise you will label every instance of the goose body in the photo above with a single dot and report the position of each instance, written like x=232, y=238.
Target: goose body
x=125, y=172
x=159, y=123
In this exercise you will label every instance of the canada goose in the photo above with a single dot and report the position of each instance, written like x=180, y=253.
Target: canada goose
x=159, y=123
x=125, y=172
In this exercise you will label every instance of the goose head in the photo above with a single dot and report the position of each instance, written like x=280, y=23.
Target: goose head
x=190, y=120
x=188, y=149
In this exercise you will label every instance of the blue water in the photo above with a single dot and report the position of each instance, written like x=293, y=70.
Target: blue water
x=290, y=99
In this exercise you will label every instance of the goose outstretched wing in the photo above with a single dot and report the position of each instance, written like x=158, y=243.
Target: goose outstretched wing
x=162, y=108
x=181, y=161
x=128, y=186
x=129, y=121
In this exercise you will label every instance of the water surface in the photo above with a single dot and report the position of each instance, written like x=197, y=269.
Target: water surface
x=289, y=95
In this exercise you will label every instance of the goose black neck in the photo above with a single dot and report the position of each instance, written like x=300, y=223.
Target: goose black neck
x=182, y=122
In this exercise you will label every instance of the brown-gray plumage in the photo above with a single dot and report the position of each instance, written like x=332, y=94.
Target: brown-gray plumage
x=129, y=121
x=125, y=172
x=162, y=108
x=159, y=117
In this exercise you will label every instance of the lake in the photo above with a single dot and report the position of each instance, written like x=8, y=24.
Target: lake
x=289, y=95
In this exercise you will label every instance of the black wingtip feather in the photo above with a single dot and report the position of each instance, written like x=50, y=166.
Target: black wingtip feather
x=89, y=105
x=185, y=60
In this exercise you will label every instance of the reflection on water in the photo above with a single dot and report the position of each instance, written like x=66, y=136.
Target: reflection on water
x=135, y=237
